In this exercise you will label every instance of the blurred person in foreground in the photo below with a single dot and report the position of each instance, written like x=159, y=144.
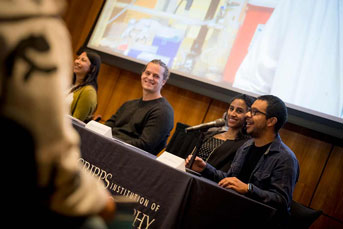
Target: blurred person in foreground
x=45, y=184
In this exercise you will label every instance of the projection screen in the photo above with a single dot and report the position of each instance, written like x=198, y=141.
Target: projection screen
x=289, y=48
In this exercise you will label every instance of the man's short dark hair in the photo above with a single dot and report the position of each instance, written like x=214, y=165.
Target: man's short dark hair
x=276, y=108
x=166, y=72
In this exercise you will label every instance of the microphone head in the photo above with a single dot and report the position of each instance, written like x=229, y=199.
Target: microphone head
x=220, y=122
x=204, y=126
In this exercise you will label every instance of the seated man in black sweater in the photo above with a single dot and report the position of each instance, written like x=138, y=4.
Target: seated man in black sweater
x=146, y=122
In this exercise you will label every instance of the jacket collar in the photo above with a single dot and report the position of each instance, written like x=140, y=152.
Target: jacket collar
x=274, y=146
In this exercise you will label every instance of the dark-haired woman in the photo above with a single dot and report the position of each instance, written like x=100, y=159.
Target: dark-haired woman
x=83, y=94
x=220, y=145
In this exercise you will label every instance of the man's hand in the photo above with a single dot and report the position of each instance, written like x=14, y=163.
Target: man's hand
x=235, y=184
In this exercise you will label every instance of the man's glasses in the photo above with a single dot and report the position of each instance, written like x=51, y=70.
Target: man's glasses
x=254, y=112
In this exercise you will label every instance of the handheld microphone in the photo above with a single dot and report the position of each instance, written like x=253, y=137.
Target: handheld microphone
x=216, y=123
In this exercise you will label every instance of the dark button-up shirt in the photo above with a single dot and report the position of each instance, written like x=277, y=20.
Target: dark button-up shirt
x=273, y=178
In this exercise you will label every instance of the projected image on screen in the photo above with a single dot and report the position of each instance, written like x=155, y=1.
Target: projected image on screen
x=291, y=48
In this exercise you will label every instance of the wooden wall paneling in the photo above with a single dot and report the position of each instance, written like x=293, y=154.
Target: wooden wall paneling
x=326, y=222
x=329, y=194
x=66, y=14
x=89, y=21
x=216, y=110
x=79, y=17
x=312, y=155
x=127, y=87
x=189, y=108
x=107, y=80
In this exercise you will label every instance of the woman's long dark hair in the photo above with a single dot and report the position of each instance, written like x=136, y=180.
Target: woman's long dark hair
x=92, y=76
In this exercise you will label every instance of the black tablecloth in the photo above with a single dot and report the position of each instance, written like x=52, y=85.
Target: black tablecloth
x=165, y=197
